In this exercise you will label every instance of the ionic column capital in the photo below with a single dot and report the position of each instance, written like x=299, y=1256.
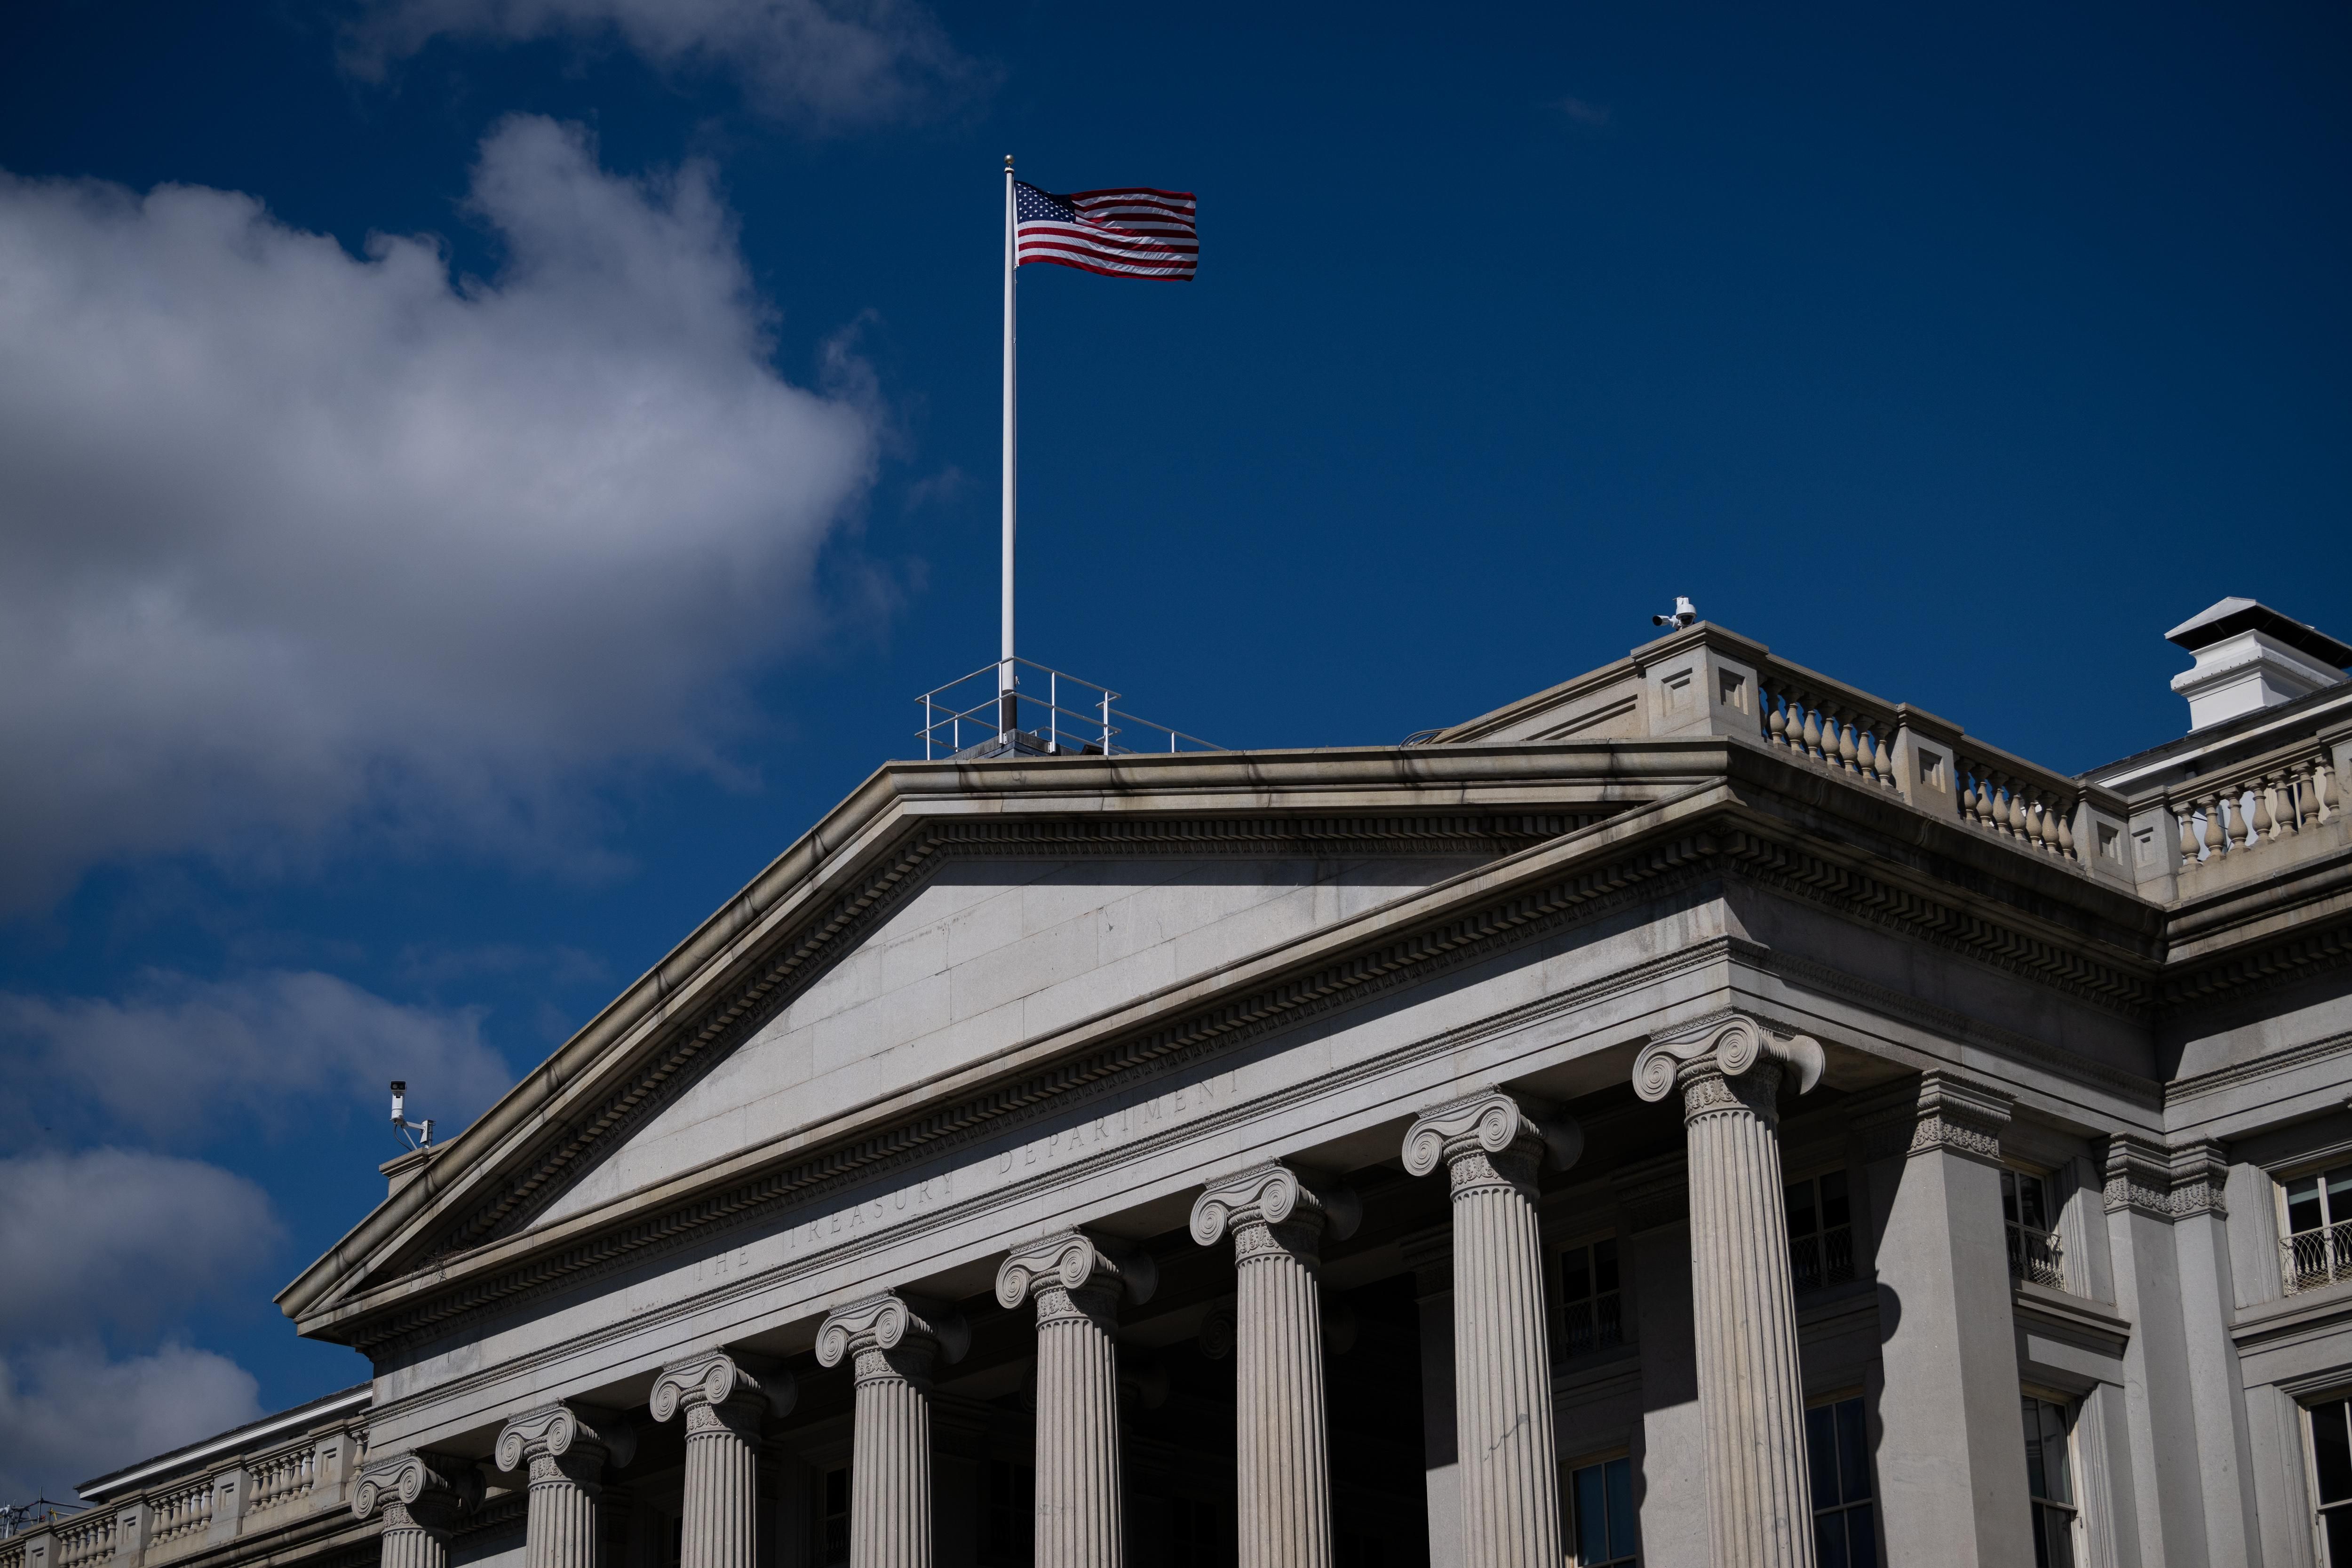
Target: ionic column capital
x=427, y=1491
x=1489, y=1139
x=1728, y=1063
x=716, y=1391
x=1077, y=1273
x=567, y=1441
x=1271, y=1208
x=892, y=1335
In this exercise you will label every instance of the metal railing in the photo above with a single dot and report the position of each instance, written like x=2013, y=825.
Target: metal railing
x=1825, y=1258
x=2034, y=1256
x=2310, y=1258
x=1047, y=712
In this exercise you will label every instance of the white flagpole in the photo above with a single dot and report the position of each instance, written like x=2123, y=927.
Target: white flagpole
x=1007, y=704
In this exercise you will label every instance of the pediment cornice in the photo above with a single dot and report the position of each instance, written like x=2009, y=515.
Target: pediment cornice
x=1596, y=829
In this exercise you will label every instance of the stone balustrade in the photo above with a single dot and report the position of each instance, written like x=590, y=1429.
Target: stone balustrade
x=2259, y=806
x=1831, y=723
x=2031, y=807
x=280, y=1474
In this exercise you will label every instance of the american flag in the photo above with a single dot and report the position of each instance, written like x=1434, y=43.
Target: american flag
x=1129, y=233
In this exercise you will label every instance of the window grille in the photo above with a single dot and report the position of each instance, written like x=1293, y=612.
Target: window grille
x=1821, y=1231
x=2050, y=1483
x=2331, y=1466
x=2034, y=1252
x=833, y=1522
x=2317, y=1248
x=1602, y=1497
x=1845, y=1515
x=1591, y=1300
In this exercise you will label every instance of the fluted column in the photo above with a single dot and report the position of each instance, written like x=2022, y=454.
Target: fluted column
x=422, y=1497
x=724, y=1406
x=1743, y=1315
x=1284, y=1454
x=890, y=1342
x=1076, y=1281
x=565, y=1449
x=1510, y=1469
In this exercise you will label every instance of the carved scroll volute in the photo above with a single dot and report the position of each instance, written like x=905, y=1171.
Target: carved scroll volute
x=889, y=1321
x=1492, y=1122
x=583, y=1436
x=1077, y=1261
x=716, y=1378
x=1279, y=1196
x=434, y=1488
x=1732, y=1046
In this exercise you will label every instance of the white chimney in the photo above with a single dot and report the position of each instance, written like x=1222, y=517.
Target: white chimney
x=2249, y=656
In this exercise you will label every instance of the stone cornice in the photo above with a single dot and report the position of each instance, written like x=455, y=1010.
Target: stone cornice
x=1349, y=961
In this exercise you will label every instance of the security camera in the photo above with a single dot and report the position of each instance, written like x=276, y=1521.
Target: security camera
x=1684, y=613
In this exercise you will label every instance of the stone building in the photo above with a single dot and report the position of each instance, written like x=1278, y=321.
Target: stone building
x=1699, y=1114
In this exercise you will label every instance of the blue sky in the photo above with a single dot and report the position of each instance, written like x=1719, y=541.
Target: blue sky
x=478, y=477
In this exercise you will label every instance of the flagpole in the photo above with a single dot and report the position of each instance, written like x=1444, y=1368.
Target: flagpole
x=1008, y=709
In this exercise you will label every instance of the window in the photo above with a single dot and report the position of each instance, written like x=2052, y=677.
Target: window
x=1821, y=1231
x=1592, y=1306
x=2331, y=1468
x=1837, y=1451
x=2033, y=1250
x=2318, y=1244
x=1011, y=1526
x=2050, y=1483
x=833, y=1520
x=1602, y=1496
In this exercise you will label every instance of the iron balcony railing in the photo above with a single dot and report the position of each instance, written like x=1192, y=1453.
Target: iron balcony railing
x=2034, y=1256
x=1045, y=712
x=1824, y=1258
x=2310, y=1258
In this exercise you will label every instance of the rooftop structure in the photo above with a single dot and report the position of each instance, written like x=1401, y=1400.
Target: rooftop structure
x=1703, y=1113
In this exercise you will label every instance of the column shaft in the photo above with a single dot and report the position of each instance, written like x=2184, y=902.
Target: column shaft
x=723, y=1405
x=1281, y=1443
x=1080, y=1519
x=1751, y=1399
x=559, y=1528
x=407, y=1545
x=890, y=1467
x=1076, y=1283
x=893, y=1339
x=1508, y=1451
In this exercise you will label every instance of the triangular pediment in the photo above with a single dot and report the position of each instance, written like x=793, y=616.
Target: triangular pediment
x=933, y=942
x=985, y=952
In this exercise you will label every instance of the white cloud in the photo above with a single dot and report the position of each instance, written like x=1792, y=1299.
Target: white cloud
x=120, y=1236
x=68, y=1415
x=828, y=64
x=291, y=539
x=180, y=1053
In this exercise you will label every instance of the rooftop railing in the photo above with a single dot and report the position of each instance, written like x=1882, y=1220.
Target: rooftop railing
x=2257, y=807
x=1045, y=712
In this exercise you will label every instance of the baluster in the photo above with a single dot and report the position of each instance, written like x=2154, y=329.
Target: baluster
x=1880, y=761
x=1979, y=801
x=1812, y=730
x=2008, y=811
x=2276, y=820
x=2066, y=836
x=1776, y=718
x=2188, y=820
x=2298, y=794
x=1865, y=756
x=2037, y=825
x=2217, y=831
x=2323, y=786
x=1846, y=751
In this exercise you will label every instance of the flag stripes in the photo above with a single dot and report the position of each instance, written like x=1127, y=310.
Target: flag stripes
x=1133, y=232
